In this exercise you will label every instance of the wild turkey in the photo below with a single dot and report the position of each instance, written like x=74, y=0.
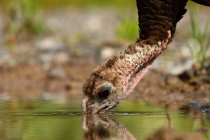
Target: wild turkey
x=103, y=127
x=112, y=82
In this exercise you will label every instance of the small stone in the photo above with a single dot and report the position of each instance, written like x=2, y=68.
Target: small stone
x=107, y=53
x=4, y=97
x=61, y=58
x=180, y=67
x=45, y=57
x=207, y=68
x=194, y=104
x=94, y=24
x=206, y=80
x=50, y=44
x=205, y=108
x=7, y=58
x=187, y=74
x=47, y=96
x=172, y=80
x=57, y=73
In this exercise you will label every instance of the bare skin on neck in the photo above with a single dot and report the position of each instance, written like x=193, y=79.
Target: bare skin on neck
x=112, y=82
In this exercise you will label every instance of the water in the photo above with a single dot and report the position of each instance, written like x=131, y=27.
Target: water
x=131, y=120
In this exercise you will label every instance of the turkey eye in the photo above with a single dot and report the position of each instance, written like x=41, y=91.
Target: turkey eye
x=104, y=94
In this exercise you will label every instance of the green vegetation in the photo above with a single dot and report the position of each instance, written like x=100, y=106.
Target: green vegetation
x=89, y=3
x=24, y=20
x=200, y=45
x=79, y=3
x=37, y=106
x=128, y=28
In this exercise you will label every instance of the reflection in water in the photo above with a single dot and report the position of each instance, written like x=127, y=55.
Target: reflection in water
x=98, y=127
x=18, y=122
x=102, y=126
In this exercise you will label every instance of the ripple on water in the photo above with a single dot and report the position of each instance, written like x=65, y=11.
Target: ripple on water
x=80, y=113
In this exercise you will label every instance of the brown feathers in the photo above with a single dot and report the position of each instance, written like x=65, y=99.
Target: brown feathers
x=156, y=17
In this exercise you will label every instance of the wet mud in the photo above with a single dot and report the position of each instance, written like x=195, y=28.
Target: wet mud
x=33, y=81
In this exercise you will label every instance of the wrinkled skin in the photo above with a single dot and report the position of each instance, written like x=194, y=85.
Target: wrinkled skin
x=112, y=82
x=98, y=127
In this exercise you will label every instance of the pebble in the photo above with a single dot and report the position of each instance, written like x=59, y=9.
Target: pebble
x=61, y=57
x=181, y=66
x=206, y=80
x=107, y=53
x=194, y=104
x=94, y=24
x=207, y=68
x=46, y=57
x=4, y=97
x=59, y=98
x=57, y=73
x=6, y=58
x=51, y=44
x=205, y=108
x=187, y=74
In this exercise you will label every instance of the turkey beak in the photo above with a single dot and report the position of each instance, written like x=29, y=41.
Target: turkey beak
x=103, y=101
x=95, y=108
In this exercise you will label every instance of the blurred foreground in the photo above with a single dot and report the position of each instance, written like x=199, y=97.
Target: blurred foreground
x=45, y=120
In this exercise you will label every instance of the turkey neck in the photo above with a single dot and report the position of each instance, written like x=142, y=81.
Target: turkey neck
x=135, y=62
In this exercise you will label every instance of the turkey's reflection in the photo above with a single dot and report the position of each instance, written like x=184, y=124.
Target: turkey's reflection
x=99, y=127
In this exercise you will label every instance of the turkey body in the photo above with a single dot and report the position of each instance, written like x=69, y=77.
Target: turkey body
x=156, y=17
x=111, y=83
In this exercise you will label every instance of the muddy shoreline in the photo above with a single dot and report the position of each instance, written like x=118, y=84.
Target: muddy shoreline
x=34, y=82
x=55, y=65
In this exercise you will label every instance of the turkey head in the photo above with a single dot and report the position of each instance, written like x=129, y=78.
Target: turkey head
x=112, y=82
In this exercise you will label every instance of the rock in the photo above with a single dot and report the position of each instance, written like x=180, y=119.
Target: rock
x=7, y=58
x=205, y=108
x=180, y=67
x=61, y=57
x=206, y=80
x=203, y=130
x=172, y=80
x=59, y=98
x=46, y=57
x=94, y=24
x=194, y=104
x=187, y=74
x=107, y=53
x=46, y=96
x=57, y=73
x=51, y=44
x=58, y=57
x=4, y=97
x=207, y=68
x=53, y=50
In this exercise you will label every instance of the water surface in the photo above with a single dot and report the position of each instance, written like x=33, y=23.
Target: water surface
x=131, y=120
